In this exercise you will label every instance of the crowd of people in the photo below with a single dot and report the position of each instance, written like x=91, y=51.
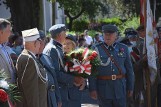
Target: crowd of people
x=36, y=65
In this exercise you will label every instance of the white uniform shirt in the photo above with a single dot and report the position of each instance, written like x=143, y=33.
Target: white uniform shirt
x=88, y=39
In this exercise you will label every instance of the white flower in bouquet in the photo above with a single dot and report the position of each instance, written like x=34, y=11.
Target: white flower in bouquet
x=4, y=84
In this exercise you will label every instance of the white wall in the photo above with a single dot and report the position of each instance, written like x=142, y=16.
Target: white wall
x=47, y=9
x=4, y=13
x=59, y=14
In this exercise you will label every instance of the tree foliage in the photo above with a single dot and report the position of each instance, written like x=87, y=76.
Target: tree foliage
x=92, y=8
x=27, y=14
x=75, y=8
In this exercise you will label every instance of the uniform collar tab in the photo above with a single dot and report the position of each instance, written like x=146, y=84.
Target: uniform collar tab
x=113, y=45
x=56, y=43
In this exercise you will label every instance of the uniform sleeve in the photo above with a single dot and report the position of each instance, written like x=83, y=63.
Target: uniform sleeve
x=62, y=77
x=129, y=71
x=30, y=84
x=51, y=69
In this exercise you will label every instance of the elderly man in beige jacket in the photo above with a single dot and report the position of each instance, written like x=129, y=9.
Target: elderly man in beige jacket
x=31, y=76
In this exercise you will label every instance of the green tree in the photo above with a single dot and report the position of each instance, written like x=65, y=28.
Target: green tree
x=75, y=8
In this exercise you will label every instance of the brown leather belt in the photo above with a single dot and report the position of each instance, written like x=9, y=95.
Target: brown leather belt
x=112, y=77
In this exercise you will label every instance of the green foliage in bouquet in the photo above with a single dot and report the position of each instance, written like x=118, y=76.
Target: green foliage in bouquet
x=8, y=92
x=82, y=62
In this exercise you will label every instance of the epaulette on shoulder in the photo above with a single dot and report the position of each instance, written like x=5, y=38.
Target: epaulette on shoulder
x=122, y=44
x=98, y=44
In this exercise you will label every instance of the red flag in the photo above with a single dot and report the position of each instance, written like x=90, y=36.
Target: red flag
x=142, y=12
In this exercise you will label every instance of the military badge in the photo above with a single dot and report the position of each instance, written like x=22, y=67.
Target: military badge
x=121, y=52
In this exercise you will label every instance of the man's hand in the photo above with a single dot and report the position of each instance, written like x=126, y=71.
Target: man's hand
x=82, y=86
x=59, y=104
x=93, y=95
x=78, y=81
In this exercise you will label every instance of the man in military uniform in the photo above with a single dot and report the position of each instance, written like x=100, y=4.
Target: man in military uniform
x=141, y=66
x=131, y=37
x=111, y=85
x=66, y=81
x=32, y=78
x=140, y=91
x=6, y=63
x=53, y=93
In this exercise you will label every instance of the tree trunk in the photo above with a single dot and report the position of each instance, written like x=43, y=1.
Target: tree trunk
x=53, y=14
x=70, y=24
x=72, y=18
x=25, y=14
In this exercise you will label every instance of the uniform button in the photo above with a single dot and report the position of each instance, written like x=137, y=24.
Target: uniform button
x=113, y=70
x=111, y=55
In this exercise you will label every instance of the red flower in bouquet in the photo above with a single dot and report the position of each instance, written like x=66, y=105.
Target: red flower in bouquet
x=3, y=96
x=78, y=55
x=91, y=58
x=8, y=92
x=73, y=55
x=84, y=60
x=94, y=54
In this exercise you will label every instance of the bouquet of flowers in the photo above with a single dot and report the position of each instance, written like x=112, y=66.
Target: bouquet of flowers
x=82, y=62
x=8, y=92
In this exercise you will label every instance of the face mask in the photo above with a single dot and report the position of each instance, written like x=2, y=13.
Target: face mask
x=130, y=49
x=133, y=43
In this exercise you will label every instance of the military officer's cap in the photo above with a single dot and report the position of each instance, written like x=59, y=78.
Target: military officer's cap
x=71, y=37
x=30, y=34
x=56, y=29
x=109, y=28
x=126, y=41
x=130, y=31
x=159, y=29
x=131, y=36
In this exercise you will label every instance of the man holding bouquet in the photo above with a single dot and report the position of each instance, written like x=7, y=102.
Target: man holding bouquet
x=66, y=81
x=115, y=77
